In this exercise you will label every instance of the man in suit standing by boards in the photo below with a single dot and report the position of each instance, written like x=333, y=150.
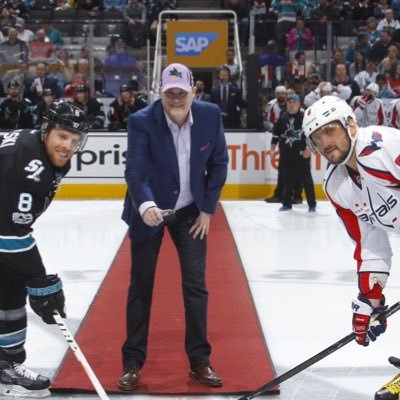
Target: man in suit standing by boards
x=175, y=169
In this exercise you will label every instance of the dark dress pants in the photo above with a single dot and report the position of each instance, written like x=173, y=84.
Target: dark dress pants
x=297, y=169
x=192, y=257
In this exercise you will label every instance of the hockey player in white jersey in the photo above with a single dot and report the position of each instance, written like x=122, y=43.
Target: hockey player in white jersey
x=362, y=182
x=368, y=109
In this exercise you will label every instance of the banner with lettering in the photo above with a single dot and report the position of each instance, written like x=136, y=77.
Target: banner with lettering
x=197, y=44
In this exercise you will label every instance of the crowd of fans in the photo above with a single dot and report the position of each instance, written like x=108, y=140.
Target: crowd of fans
x=39, y=60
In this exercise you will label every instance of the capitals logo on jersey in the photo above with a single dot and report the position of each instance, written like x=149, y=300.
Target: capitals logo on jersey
x=367, y=150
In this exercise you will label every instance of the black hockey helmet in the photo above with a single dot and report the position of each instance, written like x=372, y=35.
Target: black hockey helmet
x=82, y=88
x=64, y=114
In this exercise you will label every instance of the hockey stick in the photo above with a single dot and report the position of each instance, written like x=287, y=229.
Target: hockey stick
x=317, y=357
x=80, y=356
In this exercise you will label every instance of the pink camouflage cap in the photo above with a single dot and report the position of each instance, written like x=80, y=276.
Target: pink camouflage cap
x=176, y=76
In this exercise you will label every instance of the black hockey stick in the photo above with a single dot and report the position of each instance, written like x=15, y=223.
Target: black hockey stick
x=317, y=357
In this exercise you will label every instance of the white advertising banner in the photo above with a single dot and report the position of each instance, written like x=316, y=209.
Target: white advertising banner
x=103, y=159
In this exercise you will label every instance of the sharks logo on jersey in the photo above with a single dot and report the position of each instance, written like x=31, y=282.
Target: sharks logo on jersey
x=367, y=150
x=291, y=134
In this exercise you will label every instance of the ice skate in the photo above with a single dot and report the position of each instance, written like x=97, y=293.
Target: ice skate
x=391, y=389
x=16, y=381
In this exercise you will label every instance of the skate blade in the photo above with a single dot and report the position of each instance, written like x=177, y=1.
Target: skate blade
x=18, y=392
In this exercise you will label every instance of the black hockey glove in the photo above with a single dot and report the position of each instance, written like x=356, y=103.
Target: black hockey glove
x=45, y=296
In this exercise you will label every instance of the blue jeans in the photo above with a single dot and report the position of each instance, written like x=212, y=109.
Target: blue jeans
x=192, y=258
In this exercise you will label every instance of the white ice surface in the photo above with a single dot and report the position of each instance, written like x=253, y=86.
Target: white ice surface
x=300, y=270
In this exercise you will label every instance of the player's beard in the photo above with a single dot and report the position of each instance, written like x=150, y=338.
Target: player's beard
x=336, y=160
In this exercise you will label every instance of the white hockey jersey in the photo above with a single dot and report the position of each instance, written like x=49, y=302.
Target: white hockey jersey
x=368, y=114
x=272, y=112
x=368, y=203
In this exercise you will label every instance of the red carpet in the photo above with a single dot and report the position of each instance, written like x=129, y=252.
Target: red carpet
x=240, y=355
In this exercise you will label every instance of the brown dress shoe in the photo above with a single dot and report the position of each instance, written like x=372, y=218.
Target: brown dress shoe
x=206, y=376
x=129, y=379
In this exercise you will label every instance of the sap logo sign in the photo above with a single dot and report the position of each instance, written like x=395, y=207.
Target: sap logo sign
x=193, y=44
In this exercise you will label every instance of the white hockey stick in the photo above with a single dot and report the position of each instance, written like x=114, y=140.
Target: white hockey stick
x=80, y=356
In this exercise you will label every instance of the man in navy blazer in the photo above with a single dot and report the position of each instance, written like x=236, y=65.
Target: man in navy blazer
x=177, y=160
x=229, y=99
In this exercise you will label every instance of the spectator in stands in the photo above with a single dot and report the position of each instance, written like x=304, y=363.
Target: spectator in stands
x=39, y=49
x=393, y=56
x=29, y=3
x=337, y=58
x=18, y=9
x=368, y=109
x=373, y=33
x=15, y=111
x=380, y=49
x=233, y=67
x=388, y=22
x=62, y=5
x=360, y=44
x=300, y=38
x=393, y=80
x=65, y=59
x=272, y=66
x=229, y=99
x=287, y=11
x=155, y=9
x=259, y=7
x=380, y=9
x=118, y=68
x=298, y=72
x=294, y=155
x=366, y=76
x=34, y=87
x=395, y=6
x=135, y=15
x=324, y=89
x=345, y=86
x=20, y=74
x=359, y=63
x=200, y=93
x=90, y=105
x=362, y=11
x=89, y=5
x=98, y=65
x=7, y=21
x=81, y=75
x=43, y=106
x=323, y=13
x=120, y=109
x=53, y=34
x=23, y=34
x=242, y=14
x=13, y=50
x=114, y=5
x=60, y=73
x=313, y=81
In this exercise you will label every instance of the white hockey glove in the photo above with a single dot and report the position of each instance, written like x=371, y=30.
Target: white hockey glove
x=365, y=325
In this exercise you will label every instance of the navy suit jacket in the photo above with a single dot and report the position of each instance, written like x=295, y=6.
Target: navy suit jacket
x=152, y=171
x=235, y=103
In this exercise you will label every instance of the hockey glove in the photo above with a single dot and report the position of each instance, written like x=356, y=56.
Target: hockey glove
x=45, y=296
x=365, y=325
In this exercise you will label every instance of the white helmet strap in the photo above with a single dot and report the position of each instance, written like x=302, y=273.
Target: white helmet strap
x=352, y=144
